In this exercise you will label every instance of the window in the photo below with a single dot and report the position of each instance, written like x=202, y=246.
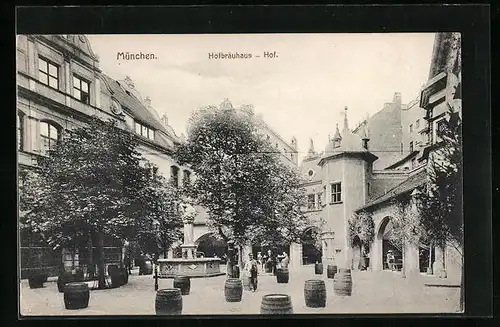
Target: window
x=48, y=73
x=311, y=202
x=81, y=89
x=411, y=146
x=187, y=177
x=49, y=135
x=20, y=129
x=174, y=175
x=368, y=188
x=324, y=194
x=144, y=131
x=336, y=193
x=417, y=123
x=411, y=128
x=320, y=200
x=401, y=148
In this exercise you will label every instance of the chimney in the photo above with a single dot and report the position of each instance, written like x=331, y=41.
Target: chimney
x=397, y=98
x=164, y=120
x=294, y=142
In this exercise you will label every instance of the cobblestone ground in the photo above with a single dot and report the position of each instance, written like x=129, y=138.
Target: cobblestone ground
x=373, y=292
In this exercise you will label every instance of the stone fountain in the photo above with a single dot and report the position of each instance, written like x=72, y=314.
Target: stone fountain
x=188, y=265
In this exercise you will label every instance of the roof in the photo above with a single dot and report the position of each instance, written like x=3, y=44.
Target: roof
x=134, y=106
x=404, y=159
x=407, y=185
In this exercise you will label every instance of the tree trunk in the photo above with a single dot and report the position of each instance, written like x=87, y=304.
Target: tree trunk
x=240, y=256
x=100, y=261
x=91, y=265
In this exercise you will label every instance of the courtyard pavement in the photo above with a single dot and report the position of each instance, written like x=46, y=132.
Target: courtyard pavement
x=372, y=292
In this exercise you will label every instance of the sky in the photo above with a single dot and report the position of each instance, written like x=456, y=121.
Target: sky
x=301, y=92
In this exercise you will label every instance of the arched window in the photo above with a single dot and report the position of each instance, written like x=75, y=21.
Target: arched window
x=49, y=134
x=174, y=175
x=20, y=130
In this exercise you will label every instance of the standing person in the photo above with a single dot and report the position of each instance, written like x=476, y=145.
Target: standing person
x=270, y=260
x=251, y=272
x=390, y=260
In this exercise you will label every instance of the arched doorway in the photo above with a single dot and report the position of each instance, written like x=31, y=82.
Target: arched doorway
x=387, y=245
x=210, y=245
x=426, y=257
x=311, y=246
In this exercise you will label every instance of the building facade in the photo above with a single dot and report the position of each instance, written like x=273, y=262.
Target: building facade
x=345, y=178
x=60, y=86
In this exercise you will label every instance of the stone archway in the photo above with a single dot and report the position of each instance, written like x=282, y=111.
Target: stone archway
x=311, y=249
x=377, y=253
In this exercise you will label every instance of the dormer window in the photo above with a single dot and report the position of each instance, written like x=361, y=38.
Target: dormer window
x=144, y=131
x=81, y=89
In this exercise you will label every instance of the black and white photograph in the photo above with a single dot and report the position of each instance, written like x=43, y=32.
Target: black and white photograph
x=240, y=174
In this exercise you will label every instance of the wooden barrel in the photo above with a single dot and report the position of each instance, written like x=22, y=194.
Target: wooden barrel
x=318, y=268
x=282, y=275
x=315, y=293
x=35, y=282
x=63, y=279
x=146, y=268
x=183, y=283
x=76, y=296
x=113, y=270
x=276, y=304
x=168, y=302
x=233, y=290
x=116, y=274
x=331, y=270
x=342, y=283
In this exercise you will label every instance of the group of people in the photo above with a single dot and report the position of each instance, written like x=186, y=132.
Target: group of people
x=251, y=267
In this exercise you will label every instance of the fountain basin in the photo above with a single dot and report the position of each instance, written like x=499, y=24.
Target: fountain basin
x=199, y=267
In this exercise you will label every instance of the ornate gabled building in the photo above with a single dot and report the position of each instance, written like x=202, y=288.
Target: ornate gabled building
x=342, y=180
x=60, y=86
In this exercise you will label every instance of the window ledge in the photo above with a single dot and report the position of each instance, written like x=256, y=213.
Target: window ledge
x=313, y=210
x=332, y=203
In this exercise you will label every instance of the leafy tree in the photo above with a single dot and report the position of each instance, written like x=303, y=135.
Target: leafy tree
x=362, y=227
x=285, y=222
x=95, y=185
x=441, y=205
x=247, y=191
x=407, y=228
